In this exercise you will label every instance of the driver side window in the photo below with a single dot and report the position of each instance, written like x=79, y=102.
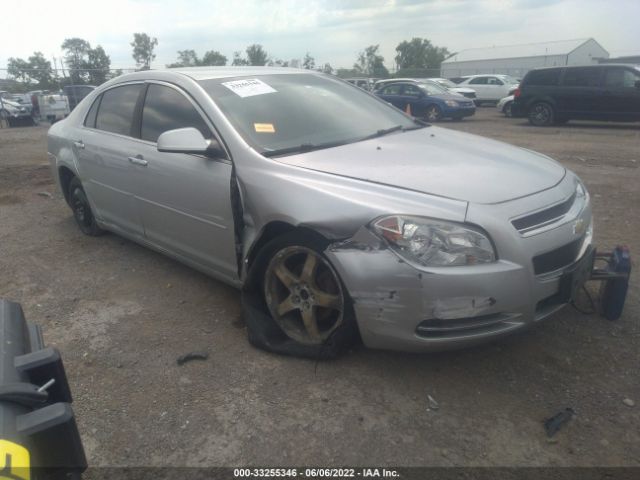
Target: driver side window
x=167, y=109
x=412, y=91
x=478, y=81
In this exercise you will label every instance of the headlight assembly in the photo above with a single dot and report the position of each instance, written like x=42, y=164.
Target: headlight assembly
x=434, y=243
x=451, y=103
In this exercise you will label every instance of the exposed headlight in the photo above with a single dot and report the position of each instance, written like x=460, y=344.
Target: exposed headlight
x=434, y=243
x=451, y=103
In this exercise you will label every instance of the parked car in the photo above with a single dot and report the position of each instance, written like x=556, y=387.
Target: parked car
x=426, y=100
x=337, y=214
x=490, y=88
x=51, y=107
x=13, y=113
x=75, y=93
x=505, y=106
x=597, y=92
x=363, y=83
x=452, y=87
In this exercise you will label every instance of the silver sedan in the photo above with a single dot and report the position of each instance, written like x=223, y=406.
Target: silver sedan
x=340, y=217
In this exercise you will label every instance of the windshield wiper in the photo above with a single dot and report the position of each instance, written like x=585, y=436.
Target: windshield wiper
x=302, y=148
x=386, y=131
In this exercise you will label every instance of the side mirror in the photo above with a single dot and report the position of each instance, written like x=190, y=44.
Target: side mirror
x=189, y=140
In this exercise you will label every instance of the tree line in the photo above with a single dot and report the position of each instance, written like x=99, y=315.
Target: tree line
x=91, y=65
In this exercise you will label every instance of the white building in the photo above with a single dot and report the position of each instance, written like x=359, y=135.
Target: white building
x=516, y=60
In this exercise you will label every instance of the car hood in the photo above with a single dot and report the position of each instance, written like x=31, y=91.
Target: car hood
x=440, y=162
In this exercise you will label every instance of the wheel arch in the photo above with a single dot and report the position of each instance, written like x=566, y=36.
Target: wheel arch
x=65, y=175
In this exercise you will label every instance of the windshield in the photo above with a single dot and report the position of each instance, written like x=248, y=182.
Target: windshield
x=446, y=83
x=281, y=112
x=432, y=88
x=509, y=79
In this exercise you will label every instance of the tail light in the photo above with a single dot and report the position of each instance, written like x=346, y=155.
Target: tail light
x=516, y=93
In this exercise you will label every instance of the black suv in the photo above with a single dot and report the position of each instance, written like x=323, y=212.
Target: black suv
x=556, y=95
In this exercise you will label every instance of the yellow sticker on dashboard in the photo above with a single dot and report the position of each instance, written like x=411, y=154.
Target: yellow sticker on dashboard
x=14, y=461
x=264, y=127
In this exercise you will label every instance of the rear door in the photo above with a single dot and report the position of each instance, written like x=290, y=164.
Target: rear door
x=102, y=147
x=413, y=96
x=184, y=200
x=479, y=84
x=620, y=93
x=580, y=93
x=393, y=94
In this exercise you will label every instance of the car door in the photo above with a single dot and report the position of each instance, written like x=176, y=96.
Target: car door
x=621, y=92
x=184, y=199
x=580, y=94
x=393, y=94
x=102, y=148
x=479, y=84
x=413, y=96
x=496, y=89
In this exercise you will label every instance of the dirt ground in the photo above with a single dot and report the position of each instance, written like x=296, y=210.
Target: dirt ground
x=122, y=314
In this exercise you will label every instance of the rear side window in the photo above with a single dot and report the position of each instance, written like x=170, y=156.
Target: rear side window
x=392, y=90
x=620, y=78
x=543, y=77
x=582, y=77
x=90, y=121
x=478, y=81
x=167, y=109
x=116, y=109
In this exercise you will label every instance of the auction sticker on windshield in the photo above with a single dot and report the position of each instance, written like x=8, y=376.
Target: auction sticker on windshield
x=249, y=87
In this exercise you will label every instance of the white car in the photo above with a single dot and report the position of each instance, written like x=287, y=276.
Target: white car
x=490, y=88
x=505, y=104
x=452, y=87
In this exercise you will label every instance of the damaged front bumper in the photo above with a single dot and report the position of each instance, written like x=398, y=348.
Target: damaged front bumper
x=401, y=307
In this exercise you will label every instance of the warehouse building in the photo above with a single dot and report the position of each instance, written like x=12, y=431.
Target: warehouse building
x=516, y=60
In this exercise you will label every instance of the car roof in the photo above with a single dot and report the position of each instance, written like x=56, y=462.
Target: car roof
x=208, y=73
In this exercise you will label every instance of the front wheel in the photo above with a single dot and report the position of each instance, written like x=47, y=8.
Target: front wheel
x=305, y=309
x=82, y=210
x=433, y=113
x=541, y=114
x=507, y=110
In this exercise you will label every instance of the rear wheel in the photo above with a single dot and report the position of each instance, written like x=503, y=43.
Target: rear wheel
x=541, y=114
x=82, y=210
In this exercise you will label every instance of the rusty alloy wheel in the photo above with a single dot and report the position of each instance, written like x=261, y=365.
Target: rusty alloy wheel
x=304, y=295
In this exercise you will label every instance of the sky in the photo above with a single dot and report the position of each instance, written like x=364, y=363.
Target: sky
x=332, y=31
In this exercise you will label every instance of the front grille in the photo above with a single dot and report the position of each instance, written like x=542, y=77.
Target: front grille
x=470, y=94
x=529, y=222
x=558, y=258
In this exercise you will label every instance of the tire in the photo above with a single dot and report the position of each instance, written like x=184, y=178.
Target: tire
x=82, y=210
x=541, y=114
x=296, y=303
x=507, y=109
x=433, y=113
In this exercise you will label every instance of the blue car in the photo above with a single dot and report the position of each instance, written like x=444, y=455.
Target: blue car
x=426, y=100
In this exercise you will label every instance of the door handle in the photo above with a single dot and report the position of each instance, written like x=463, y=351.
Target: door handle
x=79, y=144
x=138, y=161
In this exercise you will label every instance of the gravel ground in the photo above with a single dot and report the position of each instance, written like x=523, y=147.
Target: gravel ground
x=122, y=314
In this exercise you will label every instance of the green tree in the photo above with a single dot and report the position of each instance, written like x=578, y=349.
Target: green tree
x=371, y=63
x=308, y=62
x=18, y=69
x=327, y=68
x=238, y=61
x=213, y=58
x=76, y=52
x=256, y=55
x=40, y=70
x=143, y=46
x=98, y=64
x=186, y=58
x=419, y=53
